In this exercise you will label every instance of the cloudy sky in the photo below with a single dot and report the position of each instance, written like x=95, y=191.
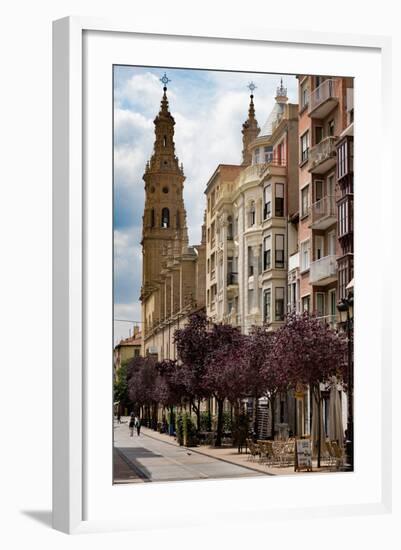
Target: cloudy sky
x=209, y=108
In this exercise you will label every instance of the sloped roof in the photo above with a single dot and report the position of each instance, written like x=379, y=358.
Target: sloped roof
x=276, y=112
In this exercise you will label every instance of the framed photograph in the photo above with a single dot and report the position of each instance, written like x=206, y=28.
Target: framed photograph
x=219, y=335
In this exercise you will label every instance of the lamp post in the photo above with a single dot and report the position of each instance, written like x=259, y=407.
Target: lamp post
x=346, y=307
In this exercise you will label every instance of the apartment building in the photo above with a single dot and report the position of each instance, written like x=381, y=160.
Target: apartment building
x=324, y=116
x=247, y=210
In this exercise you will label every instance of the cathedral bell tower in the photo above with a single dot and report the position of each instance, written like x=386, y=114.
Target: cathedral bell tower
x=250, y=130
x=164, y=226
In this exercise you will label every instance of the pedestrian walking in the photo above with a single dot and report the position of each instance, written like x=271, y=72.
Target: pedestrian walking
x=131, y=424
x=137, y=423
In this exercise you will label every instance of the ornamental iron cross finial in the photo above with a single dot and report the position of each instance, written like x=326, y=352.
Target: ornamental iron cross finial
x=252, y=86
x=165, y=80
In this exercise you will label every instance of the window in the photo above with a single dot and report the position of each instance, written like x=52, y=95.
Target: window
x=178, y=220
x=268, y=154
x=304, y=147
x=213, y=264
x=279, y=304
x=332, y=302
x=279, y=251
x=213, y=234
x=344, y=159
x=229, y=228
x=320, y=309
x=152, y=217
x=306, y=303
x=319, y=247
x=268, y=198
x=292, y=302
x=305, y=201
x=279, y=154
x=330, y=128
x=318, y=134
x=256, y=156
x=331, y=243
x=164, y=141
x=279, y=200
x=250, y=261
x=305, y=259
x=266, y=306
x=165, y=218
x=345, y=217
x=304, y=96
x=267, y=253
x=319, y=190
x=252, y=215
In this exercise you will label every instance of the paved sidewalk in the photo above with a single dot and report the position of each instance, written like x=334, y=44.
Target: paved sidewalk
x=156, y=457
x=231, y=455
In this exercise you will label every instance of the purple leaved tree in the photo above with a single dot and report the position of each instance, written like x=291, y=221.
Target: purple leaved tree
x=309, y=352
x=265, y=376
x=192, y=343
x=141, y=387
x=225, y=375
x=170, y=388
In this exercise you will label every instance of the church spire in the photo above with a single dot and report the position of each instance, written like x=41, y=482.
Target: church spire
x=250, y=129
x=163, y=157
x=164, y=220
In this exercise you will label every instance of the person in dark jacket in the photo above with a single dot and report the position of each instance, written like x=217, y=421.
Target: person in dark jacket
x=131, y=424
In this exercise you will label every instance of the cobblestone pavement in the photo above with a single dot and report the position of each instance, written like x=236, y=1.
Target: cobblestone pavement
x=151, y=458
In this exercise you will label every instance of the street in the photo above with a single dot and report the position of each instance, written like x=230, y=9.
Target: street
x=150, y=459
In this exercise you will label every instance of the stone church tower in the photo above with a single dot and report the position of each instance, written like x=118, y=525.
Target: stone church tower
x=164, y=229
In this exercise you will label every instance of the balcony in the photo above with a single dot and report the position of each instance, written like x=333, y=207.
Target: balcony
x=293, y=261
x=324, y=271
x=324, y=98
x=322, y=157
x=323, y=213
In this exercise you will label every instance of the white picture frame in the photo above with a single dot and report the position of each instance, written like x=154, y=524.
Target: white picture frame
x=76, y=440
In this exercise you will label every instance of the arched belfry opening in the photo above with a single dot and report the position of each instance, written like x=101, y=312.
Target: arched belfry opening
x=165, y=218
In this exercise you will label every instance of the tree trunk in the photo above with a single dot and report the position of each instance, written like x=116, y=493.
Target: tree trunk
x=209, y=415
x=219, y=433
x=196, y=409
x=171, y=421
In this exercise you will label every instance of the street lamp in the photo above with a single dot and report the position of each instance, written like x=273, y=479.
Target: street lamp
x=346, y=310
